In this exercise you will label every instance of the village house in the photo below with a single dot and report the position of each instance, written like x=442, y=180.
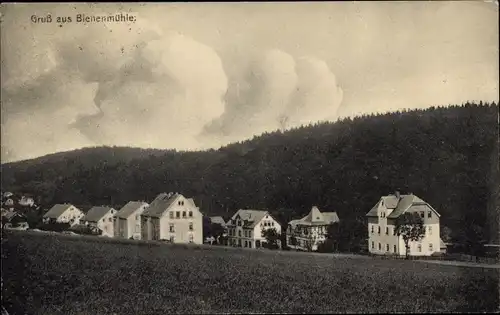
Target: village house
x=217, y=238
x=174, y=218
x=128, y=220
x=63, y=213
x=381, y=226
x=245, y=228
x=14, y=219
x=310, y=231
x=100, y=219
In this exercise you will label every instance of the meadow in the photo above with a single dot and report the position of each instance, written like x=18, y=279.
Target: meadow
x=55, y=274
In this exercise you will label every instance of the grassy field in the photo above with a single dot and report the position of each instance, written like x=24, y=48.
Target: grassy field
x=53, y=274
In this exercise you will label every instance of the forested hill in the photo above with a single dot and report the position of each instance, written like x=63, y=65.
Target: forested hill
x=447, y=156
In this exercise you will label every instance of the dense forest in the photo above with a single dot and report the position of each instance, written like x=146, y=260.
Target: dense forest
x=447, y=156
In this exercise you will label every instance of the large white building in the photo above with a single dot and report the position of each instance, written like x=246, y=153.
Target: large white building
x=128, y=220
x=310, y=231
x=382, y=238
x=245, y=228
x=174, y=218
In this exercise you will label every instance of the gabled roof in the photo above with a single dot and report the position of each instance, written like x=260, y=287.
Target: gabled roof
x=316, y=217
x=161, y=204
x=11, y=214
x=398, y=205
x=96, y=213
x=250, y=217
x=218, y=220
x=56, y=211
x=129, y=208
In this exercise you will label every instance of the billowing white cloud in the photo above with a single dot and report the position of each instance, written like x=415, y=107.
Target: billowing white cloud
x=278, y=92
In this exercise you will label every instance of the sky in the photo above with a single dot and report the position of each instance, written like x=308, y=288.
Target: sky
x=193, y=76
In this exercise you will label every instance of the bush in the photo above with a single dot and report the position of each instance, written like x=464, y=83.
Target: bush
x=54, y=226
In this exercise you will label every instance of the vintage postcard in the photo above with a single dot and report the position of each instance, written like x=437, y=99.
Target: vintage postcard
x=250, y=157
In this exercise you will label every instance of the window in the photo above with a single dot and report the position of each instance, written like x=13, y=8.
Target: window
x=387, y=247
x=379, y=246
x=177, y=214
x=183, y=214
x=171, y=214
x=387, y=232
x=394, y=231
x=431, y=247
x=190, y=226
x=379, y=230
x=172, y=228
x=190, y=238
x=172, y=239
x=430, y=230
x=179, y=202
x=239, y=233
x=249, y=233
x=373, y=244
x=190, y=214
x=395, y=248
x=422, y=214
x=272, y=223
x=372, y=228
x=110, y=219
x=429, y=214
x=245, y=233
x=419, y=248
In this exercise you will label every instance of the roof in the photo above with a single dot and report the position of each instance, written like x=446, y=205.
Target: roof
x=250, y=217
x=130, y=208
x=161, y=203
x=399, y=206
x=96, y=213
x=218, y=220
x=56, y=211
x=441, y=243
x=316, y=217
x=11, y=214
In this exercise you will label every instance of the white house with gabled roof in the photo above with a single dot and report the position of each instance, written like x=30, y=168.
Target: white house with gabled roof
x=245, y=228
x=310, y=231
x=127, y=221
x=174, y=218
x=100, y=218
x=382, y=238
x=63, y=213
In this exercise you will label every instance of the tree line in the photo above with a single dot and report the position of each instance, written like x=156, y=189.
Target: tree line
x=447, y=156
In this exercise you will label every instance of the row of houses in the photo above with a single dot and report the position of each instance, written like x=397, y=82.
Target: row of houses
x=175, y=218
x=170, y=216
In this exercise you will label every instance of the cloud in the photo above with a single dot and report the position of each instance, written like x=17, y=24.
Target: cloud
x=277, y=92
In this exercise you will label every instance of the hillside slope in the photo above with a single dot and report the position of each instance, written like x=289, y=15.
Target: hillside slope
x=444, y=155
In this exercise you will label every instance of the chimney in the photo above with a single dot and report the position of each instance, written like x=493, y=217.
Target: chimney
x=397, y=194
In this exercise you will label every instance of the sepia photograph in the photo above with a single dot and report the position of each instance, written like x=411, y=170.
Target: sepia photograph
x=250, y=157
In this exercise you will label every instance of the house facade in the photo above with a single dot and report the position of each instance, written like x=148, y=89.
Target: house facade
x=100, y=218
x=174, y=218
x=310, y=231
x=245, y=228
x=63, y=213
x=382, y=238
x=127, y=221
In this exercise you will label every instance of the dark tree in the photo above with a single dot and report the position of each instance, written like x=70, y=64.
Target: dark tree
x=410, y=227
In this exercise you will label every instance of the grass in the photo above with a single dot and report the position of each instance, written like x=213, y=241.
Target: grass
x=54, y=274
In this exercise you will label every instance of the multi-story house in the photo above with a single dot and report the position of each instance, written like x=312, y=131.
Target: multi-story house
x=382, y=222
x=310, y=231
x=245, y=228
x=101, y=219
x=63, y=213
x=174, y=218
x=128, y=220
